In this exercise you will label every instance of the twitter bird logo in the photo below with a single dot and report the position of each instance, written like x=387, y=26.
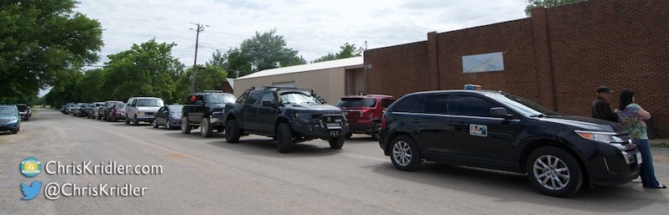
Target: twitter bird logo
x=30, y=192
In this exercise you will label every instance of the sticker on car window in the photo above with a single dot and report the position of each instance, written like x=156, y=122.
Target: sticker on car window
x=478, y=130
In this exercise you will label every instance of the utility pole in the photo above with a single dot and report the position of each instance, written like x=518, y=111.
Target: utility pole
x=365, y=68
x=200, y=28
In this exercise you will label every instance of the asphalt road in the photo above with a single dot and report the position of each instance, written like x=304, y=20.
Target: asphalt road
x=211, y=176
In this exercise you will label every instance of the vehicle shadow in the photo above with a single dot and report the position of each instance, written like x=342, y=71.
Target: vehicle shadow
x=267, y=147
x=511, y=187
x=195, y=134
x=358, y=139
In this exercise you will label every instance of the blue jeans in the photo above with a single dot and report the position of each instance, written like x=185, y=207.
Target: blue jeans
x=647, y=172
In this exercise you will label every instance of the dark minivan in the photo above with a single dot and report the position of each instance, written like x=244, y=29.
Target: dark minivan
x=500, y=131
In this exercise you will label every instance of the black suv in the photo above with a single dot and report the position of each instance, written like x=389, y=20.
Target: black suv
x=205, y=111
x=288, y=115
x=500, y=131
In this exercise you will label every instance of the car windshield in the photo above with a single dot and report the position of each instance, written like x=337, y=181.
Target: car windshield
x=219, y=98
x=525, y=106
x=298, y=98
x=175, y=108
x=357, y=102
x=7, y=110
x=150, y=103
x=120, y=105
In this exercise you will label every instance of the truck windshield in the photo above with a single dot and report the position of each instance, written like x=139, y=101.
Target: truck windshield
x=522, y=105
x=298, y=98
x=219, y=98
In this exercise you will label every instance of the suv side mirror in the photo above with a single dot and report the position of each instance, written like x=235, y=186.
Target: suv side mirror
x=500, y=112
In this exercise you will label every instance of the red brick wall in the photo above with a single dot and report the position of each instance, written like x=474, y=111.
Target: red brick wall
x=558, y=57
x=401, y=69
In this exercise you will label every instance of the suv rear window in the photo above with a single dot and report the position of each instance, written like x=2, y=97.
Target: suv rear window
x=22, y=107
x=357, y=102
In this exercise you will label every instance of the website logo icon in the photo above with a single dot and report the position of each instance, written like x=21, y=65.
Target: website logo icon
x=30, y=167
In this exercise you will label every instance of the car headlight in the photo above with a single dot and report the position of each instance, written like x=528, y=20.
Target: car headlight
x=13, y=120
x=606, y=137
x=140, y=113
x=303, y=116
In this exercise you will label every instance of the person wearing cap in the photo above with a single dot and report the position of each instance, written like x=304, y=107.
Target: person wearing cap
x=601, y=108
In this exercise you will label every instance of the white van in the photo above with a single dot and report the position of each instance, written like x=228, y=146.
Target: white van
x=142, y=109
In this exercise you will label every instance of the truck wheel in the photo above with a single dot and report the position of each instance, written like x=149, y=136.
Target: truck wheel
x=232, y=132
x=284, y=137
x=155, y=124
x=134, y=121
x=348, y=135
x=336, y=142
x=405, y=155
x=554, y=172
x=205, y=128
x=185, y=127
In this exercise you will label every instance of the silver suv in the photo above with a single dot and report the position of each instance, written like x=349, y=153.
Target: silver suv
x=142, y=109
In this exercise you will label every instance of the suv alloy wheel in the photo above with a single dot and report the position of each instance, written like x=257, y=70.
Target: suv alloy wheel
x=554, y=171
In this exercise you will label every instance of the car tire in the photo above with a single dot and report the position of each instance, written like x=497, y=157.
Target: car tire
x=168, y=124
x=375, y=136
x=232, y=132
x=559, y=161
x=205, y=128
x=404, y=153
x=127, y=120
x=284, y=138
x=14, y=131
x=134, y=121
x=155, y=123
x=185, y=127
x=348, y=135
x=27, y=118
x=336, y=142
x=113, y=119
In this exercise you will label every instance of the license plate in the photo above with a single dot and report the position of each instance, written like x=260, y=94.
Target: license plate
x=638, y=158
x=334, y=133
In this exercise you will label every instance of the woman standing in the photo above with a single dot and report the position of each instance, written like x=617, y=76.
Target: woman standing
x=632, y=116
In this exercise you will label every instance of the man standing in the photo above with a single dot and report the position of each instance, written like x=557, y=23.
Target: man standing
x=601, y=108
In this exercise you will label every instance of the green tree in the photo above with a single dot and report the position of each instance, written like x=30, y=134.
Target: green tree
x=90, y=85
x=207, y=77
x=232, y=61
x=43, y=43
x=345, y=51
x=268, y=51
x=147, y=69
x=531, y=4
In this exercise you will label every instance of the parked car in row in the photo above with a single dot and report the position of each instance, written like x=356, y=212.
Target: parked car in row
x=94, y=110
x=103, y=112
x=116, y=112
x=10, y=119
x=168, y=116
x=499, y=131
x=81, y=109
x=142, y=109
x=67, y=108
x=205, y=110
x=25, y=111
x=364, y=113
x=287, y=114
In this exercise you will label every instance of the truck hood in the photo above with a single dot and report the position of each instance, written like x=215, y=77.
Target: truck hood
x=217, y=107
x=314, y=107
x=585, y=123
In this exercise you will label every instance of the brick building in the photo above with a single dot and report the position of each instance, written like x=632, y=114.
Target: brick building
x=557, y=57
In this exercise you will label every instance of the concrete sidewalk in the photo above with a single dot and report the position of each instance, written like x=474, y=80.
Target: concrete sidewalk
x=660, y=142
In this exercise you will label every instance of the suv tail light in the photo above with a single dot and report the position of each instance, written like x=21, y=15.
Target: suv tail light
x=383, y=122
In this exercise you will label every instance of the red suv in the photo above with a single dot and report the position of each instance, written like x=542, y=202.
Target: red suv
x=364, y=113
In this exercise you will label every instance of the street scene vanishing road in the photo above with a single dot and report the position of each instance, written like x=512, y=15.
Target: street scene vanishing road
x=211, y=176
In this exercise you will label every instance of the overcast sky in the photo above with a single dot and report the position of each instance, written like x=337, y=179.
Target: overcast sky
x=313, y=27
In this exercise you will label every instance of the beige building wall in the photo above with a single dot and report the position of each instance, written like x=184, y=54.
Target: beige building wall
x=329, y=84
x=355, y=80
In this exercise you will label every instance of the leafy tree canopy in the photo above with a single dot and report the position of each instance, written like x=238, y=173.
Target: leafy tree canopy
x=531, y=4
x=346, y=51
x=43, y=43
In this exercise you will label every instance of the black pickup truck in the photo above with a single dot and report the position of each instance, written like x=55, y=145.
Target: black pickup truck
x=287, y=114
x=205, y=111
